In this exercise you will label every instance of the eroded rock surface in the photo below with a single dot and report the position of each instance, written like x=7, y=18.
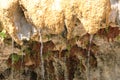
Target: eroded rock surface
x=63, y=26
x=54, y=16
x=13, y=21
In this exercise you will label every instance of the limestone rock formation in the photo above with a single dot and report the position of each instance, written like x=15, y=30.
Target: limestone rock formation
x=94, y=13
x=53, y=14
x=62, y=26
x=44, y=14
x=56, y=17
x=13, y=21
x=7, y=10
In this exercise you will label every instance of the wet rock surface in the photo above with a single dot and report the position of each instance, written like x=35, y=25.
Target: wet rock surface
x=64, y=34
x=68, y=64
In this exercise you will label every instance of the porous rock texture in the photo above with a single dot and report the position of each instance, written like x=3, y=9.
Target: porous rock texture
x=53, y=16
x=13, y=21
x=54, y=13
x=63, y=26
x=7, y=17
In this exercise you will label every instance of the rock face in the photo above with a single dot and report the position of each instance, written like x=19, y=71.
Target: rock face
x=64, y=27
x=13, y=21
x=92, y=14
x=71, y=63
x=44, y=14
x=54, y=13
x=54, y=17
x=7, y=17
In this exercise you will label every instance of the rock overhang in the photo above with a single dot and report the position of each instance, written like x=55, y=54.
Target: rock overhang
x=23, y=20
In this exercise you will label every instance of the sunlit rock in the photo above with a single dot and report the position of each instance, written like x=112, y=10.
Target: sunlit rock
x=56, y=17
x=94, y=13
x=54, y=13
x=44, y=14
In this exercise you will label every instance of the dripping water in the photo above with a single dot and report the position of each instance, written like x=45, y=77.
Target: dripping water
x=12, y=72
x=22, y=61
x=41, y=57
x=21, y=66
x=88, y=55
x=66, y=71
